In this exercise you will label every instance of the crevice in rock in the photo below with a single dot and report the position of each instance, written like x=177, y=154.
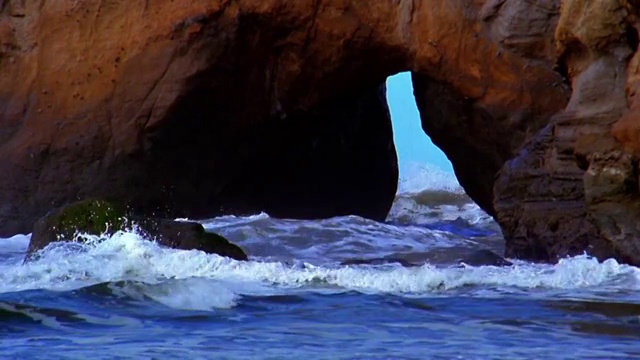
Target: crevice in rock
x=582, y=161
x=632, y=183
x=632, y=38
x=562, y=69
x=562, y=64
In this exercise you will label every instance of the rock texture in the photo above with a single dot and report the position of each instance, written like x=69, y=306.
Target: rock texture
x=242, y=106
x=573, y=188
x=192, y=110
x=495, y=87
x=98, y=217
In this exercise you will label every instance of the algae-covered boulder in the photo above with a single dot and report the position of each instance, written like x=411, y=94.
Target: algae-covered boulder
x=94, y=217
x=99, y=217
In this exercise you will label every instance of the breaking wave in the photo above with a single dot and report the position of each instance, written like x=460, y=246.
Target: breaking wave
x=137, y=268
x=428, y=195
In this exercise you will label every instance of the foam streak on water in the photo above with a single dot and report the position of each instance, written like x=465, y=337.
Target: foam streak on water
x=128, y=257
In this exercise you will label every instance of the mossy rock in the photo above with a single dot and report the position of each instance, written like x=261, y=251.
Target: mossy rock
x=98, y=217
x=92, y=217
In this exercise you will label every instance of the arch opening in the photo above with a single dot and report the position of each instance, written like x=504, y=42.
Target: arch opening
x=429, y=192
x=413, y=145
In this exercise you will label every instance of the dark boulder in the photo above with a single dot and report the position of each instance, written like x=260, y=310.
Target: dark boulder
x=485, y=258
x=188, y=235
x=98, y=217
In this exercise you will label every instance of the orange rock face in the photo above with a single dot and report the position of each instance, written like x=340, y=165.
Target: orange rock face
x=243, y=106
x=573, y=188
x=209, y=107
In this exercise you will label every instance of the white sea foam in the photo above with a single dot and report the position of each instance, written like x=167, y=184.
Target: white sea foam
x=186, y=294
x=427, y=194
x=15, y=244
x=417, y=177
x=198, y=281
x=406, y=210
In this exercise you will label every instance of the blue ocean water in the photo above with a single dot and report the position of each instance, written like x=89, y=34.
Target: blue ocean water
x=124, y=297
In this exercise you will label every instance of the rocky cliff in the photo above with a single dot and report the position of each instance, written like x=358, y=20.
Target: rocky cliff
x=573, y=187
x=240, y=106
x=210, y=107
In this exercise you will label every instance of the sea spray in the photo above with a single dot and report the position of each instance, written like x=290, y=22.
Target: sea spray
x=126, y=295
x=195, y=280
x=428, y=195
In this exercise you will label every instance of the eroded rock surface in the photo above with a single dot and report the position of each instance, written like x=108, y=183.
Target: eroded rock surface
x=243, y=106
x=194, y=109
x=573, y=188
x=216, y=107
x=491, y=94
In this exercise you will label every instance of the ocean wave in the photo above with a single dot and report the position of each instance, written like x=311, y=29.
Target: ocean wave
x=342, y=238
x=198, y=294
x=195, y=280
x=418, y=177
x=428, y=195
x=432, y=207
x=15, y=244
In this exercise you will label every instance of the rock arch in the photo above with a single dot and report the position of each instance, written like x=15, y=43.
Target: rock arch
x=239, y=106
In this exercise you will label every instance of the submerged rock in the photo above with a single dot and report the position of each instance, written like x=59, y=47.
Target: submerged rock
x=379, y=261
x=188, y=235
x=475, y=258
x=485, y=258
x=98, y=217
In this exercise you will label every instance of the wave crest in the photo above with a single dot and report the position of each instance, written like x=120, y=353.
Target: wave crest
x=198, y=281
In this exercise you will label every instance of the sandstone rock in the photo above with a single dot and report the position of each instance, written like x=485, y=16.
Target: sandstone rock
x=219, y=107
x=216, y=107
x=97, y=217
x=476, y=139
x=540, y=201
x=627, y=129
x=566, y=190
x=473, y=106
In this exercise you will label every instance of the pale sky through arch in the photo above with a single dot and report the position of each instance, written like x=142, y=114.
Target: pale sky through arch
x=412, y=144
